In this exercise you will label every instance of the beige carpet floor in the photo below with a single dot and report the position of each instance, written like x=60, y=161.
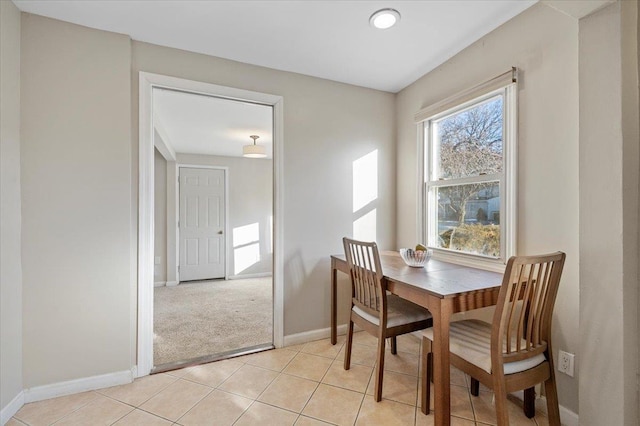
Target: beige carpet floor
x=198, y=319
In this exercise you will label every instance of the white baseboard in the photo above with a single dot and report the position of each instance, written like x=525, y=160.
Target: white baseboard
x=246, y=276
x=310, y=336
x=568, y=417
x=172, y=283
x=11, y=408
x=159, y=283
x=54, y=390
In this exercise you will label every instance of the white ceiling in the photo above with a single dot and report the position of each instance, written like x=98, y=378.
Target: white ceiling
x=327, y=39
x=198, y=124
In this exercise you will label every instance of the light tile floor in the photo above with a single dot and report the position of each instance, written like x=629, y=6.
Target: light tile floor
x=301, y=385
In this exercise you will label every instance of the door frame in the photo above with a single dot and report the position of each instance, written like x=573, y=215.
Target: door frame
x=143, y=339
x=226, y=212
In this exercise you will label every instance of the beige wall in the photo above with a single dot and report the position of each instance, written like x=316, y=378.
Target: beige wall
x=609, y=216
x=10, y=260
x=76, y=205
x=327, y=126
x=79, y=187
x=250, y=195
x=160, y=217
x=543, y=44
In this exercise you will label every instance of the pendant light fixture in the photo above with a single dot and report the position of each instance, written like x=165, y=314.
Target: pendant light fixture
x=254, y=151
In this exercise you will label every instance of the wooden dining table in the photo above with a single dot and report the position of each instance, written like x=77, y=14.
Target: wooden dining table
x=444, y=289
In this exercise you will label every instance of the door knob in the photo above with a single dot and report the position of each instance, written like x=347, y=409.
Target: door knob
x=219, y=232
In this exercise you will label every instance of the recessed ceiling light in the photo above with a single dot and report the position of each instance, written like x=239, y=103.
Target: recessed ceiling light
x=384, y=18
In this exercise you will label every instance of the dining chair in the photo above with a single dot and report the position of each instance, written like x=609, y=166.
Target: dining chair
x=372, y=309
x=514, y=352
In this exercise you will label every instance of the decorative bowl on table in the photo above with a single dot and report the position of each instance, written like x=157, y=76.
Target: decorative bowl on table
x=415, y=258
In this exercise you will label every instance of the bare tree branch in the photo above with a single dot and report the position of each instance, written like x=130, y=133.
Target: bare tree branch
x=470, y=144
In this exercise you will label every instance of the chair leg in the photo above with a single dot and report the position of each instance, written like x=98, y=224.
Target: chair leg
x=379, y=368
x=530, y=402
x=394, y=345
x=349, y=345
x=475, y=387
x=425, y=379
x=502, y=413
x=551, y=394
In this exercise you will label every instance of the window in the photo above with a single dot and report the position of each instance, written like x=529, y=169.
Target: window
x=468, y=191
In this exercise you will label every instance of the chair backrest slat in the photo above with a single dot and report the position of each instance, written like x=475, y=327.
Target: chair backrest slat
x=363, y=259
x=526, y=289
x=522, y=320
x=537, y=304
x=514, y=294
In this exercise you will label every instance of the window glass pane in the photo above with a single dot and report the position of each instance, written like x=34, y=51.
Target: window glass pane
x=468, y=218
x=469, y=143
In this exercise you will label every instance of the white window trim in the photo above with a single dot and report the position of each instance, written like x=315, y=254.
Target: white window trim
x=507, y=84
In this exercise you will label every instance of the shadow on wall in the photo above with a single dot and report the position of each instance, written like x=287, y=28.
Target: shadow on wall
x=295, y=277
x=302, y=285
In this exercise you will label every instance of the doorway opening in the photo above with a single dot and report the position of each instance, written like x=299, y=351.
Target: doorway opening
x=238, y=251
x=224, y=205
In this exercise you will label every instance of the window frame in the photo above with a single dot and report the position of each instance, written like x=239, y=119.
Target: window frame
x=505, y=85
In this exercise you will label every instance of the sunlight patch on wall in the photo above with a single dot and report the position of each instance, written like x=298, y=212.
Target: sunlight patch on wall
x=244, y=257
x=365, y=193
x=246, y=247
x=246, y=234
x=365, y=180
x=364, y=229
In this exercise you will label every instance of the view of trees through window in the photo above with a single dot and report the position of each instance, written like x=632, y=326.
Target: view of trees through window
x=468, y=150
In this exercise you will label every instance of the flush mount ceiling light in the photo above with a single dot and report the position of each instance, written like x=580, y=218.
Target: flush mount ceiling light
x=384, y=19
x=254, y=151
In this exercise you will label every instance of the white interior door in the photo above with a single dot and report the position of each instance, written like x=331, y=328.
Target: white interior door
x=202, y=223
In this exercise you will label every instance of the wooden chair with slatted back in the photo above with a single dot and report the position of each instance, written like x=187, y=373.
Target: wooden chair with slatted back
x=514, y=352
x=373, y=310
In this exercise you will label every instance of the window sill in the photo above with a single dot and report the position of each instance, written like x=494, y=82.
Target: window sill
x=494, y=265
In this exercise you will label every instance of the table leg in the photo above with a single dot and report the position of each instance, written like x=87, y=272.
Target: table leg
x=441, y=377
x=334, y=303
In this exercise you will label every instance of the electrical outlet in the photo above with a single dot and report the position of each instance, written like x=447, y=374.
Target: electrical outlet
x=565, y=363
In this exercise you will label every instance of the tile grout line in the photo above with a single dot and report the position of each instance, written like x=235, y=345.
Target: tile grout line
x=123, y=416
x=323, y=376
x=467, y=387
x=156, y=394
x=256, y=399
x=196, y=403
x=146, y=400
x=244, y=412
x=156, y=415
x=313, y=393
x=318, y=386
x=73, y=411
